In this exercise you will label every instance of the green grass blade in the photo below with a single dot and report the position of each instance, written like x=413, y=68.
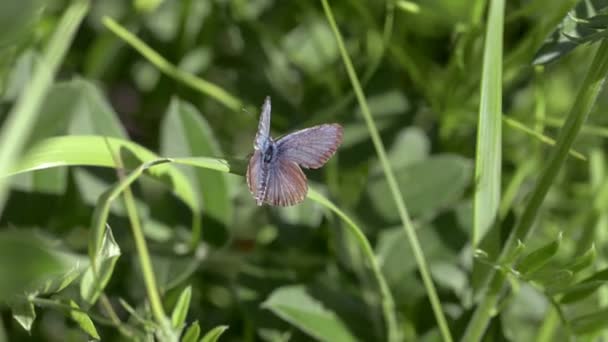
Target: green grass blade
x=22, y=117
x=388, y=304
x=393, y=332
x=489, y=128
x=584, y=101
x=91, y=150
x=197, y=83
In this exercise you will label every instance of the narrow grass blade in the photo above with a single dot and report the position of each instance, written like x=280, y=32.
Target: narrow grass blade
x=393, y=331
x=489, y=128
x=205, y=87
x=21, y=119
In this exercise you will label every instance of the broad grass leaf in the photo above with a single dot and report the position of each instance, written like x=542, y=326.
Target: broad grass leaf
x=186, y=133
x=94, y=281
x=90, y=150
x=180, y=311
x=294, y=305
x=83, y=320
x=214, y=334
x=488, y=156
x=427, y=186
x=303, y=44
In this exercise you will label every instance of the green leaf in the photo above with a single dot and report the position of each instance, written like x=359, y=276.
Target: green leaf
x=590, y=323
x=536, y=259
x=97, y=276
x=37, y=262
x=294, y=305
x=488, y=158
x=180, y=311
x=17, y=20
x=24, y=313
x=448, y=175
x=583, y=261
x=582, y=289
x=214, y=334
x=83, y=320
x=192, y=334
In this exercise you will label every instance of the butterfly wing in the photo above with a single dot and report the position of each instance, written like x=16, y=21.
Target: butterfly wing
x=263, y=134
x=311, y=147
x=257, y=177
x=286, y=184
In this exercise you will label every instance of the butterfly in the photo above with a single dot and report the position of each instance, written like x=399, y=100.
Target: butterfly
x=274, y=173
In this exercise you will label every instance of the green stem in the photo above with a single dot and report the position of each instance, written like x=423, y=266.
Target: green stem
x=171, y=70
x=388, y=304
x=396, y=193
x=578, y=114
x=21, y=119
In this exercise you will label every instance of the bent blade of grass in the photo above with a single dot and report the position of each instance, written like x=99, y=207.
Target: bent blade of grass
x=489, y=129
x=388, y=304
x=21, y=119
x=543, y=138
x=197, y=83
x=91, y=150
x=585, y=99
x=393, y=332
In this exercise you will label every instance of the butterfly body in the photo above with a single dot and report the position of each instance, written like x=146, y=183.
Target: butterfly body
x=274, y=175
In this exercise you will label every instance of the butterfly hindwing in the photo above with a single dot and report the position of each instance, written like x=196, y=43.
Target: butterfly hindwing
x=286, y=184
x=311, y=147
x=257, y=177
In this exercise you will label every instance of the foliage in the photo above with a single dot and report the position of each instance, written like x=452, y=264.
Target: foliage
x=126, y=127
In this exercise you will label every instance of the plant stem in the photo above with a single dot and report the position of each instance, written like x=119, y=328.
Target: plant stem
x=388, y=304
x=20, y=120
x=396, y=193
x=205, y=87
x=578, y=114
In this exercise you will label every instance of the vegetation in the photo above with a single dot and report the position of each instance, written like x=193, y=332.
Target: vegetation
x=468, y=201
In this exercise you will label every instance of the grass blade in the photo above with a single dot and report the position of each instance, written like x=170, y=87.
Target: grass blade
x=393, y=332
x=205, y=87
x=489, y=131
x=21, y=119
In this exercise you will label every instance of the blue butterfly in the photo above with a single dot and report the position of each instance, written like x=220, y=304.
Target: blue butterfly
x=274, y=175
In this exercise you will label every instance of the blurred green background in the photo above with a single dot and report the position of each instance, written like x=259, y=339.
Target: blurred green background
x=296, y=274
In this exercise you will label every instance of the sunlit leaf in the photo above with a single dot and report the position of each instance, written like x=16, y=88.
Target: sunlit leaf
x=180, y=311
x=83, y=320
x=214, y=334
x=94, y=281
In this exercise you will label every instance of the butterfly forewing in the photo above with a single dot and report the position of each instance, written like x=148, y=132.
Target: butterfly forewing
x=263, y=135
x=286, y=184
x=311, y=147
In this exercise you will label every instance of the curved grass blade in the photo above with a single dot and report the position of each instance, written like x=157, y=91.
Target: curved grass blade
x=91, y=150
x=205, y=87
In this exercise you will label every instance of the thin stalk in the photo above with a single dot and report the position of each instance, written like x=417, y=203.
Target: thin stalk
x=388, y=304
x=578, y=114
x=144, y=257
x=396, y=193
x=20, y=120
x=197, y=83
